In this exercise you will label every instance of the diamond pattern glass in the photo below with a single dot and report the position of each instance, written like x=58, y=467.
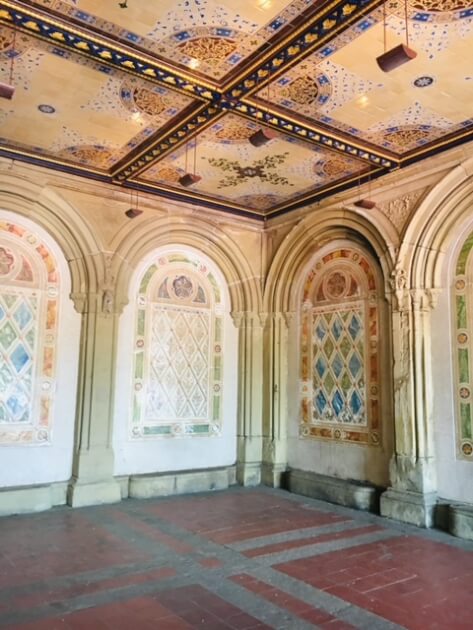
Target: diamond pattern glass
x=339, y=393
x=17, y=340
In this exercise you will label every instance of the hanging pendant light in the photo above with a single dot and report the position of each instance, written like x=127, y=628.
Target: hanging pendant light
x=364, y=202
x=134, y=211
x=190, y=178
x=392, y=59
x=7, y=89
x=262, y=136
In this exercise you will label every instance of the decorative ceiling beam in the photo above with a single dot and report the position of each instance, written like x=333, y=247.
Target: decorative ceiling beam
x=328, y=23
x=167, y=143
x=58, y=32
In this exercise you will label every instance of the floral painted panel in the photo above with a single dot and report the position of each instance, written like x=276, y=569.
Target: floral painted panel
x=463, y=305
x=178, y=351
x=29, y=290
x=340, y=350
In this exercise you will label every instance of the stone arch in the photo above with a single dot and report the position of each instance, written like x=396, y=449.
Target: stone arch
x=305, y=240
x=315, y=233
x=199, y=238
x=429, y=255
x=60, y=219
x=204, y=236
x=435, y=226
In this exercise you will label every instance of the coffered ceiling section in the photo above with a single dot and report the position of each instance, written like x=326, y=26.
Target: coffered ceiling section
x=140, y=93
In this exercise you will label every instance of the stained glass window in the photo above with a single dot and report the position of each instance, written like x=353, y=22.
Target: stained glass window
x=29, y=289
x=340, y=350
x=178, y=350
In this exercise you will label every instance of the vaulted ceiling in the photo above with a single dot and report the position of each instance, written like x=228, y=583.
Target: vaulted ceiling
x=140, y=92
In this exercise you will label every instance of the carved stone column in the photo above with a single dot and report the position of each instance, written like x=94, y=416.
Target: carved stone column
x=93, y=465
x=412, y=495
x=275, y=397
x=249, y=432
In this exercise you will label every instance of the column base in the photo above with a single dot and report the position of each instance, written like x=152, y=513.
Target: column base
x=273, y=475
x=82, y=494
x=248, y=473
x=409, y=507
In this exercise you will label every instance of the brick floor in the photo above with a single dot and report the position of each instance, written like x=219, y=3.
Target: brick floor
x=238, y=559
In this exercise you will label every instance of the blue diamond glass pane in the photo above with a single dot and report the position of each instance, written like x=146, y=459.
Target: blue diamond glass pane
x=321, y=331
x=22, y=316
x=355, y=403
x=320, y=401
x=320, y=366
x=337, y=328
x=19, y=358
x=337, y=365
x=2, y=313
x=17, y=404
x=354, y=327
x=337, y=402
x=354, y=364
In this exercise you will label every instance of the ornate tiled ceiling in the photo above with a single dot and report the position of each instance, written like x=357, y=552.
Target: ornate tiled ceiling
x=138, y=93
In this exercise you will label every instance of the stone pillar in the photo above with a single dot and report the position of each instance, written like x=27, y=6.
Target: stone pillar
x=93, y=465
x=412, y=495
x=249, y=432
x=275, y=398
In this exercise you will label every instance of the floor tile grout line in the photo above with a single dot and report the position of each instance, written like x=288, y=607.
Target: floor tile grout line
x=318, y=598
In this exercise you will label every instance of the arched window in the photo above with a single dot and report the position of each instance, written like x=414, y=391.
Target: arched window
x=463, y=318
x=29, y=311
x=340, y=362
x=178, y=363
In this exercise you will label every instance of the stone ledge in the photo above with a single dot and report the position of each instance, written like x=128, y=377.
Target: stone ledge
x=460, y=521
x=24, y=499
x=180, y=482
x=350, y=493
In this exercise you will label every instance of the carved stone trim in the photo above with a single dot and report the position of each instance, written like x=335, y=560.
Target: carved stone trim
x=398, y=210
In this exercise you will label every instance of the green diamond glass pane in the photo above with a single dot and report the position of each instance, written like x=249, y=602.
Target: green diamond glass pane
x=30, y=337
x=7, y=335
x=328, y=348
x=329, y=382
x=345, y=346
x=10, y=300
x=345, y=382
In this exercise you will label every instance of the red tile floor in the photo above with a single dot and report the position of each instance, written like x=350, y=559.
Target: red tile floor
x=242, y=558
